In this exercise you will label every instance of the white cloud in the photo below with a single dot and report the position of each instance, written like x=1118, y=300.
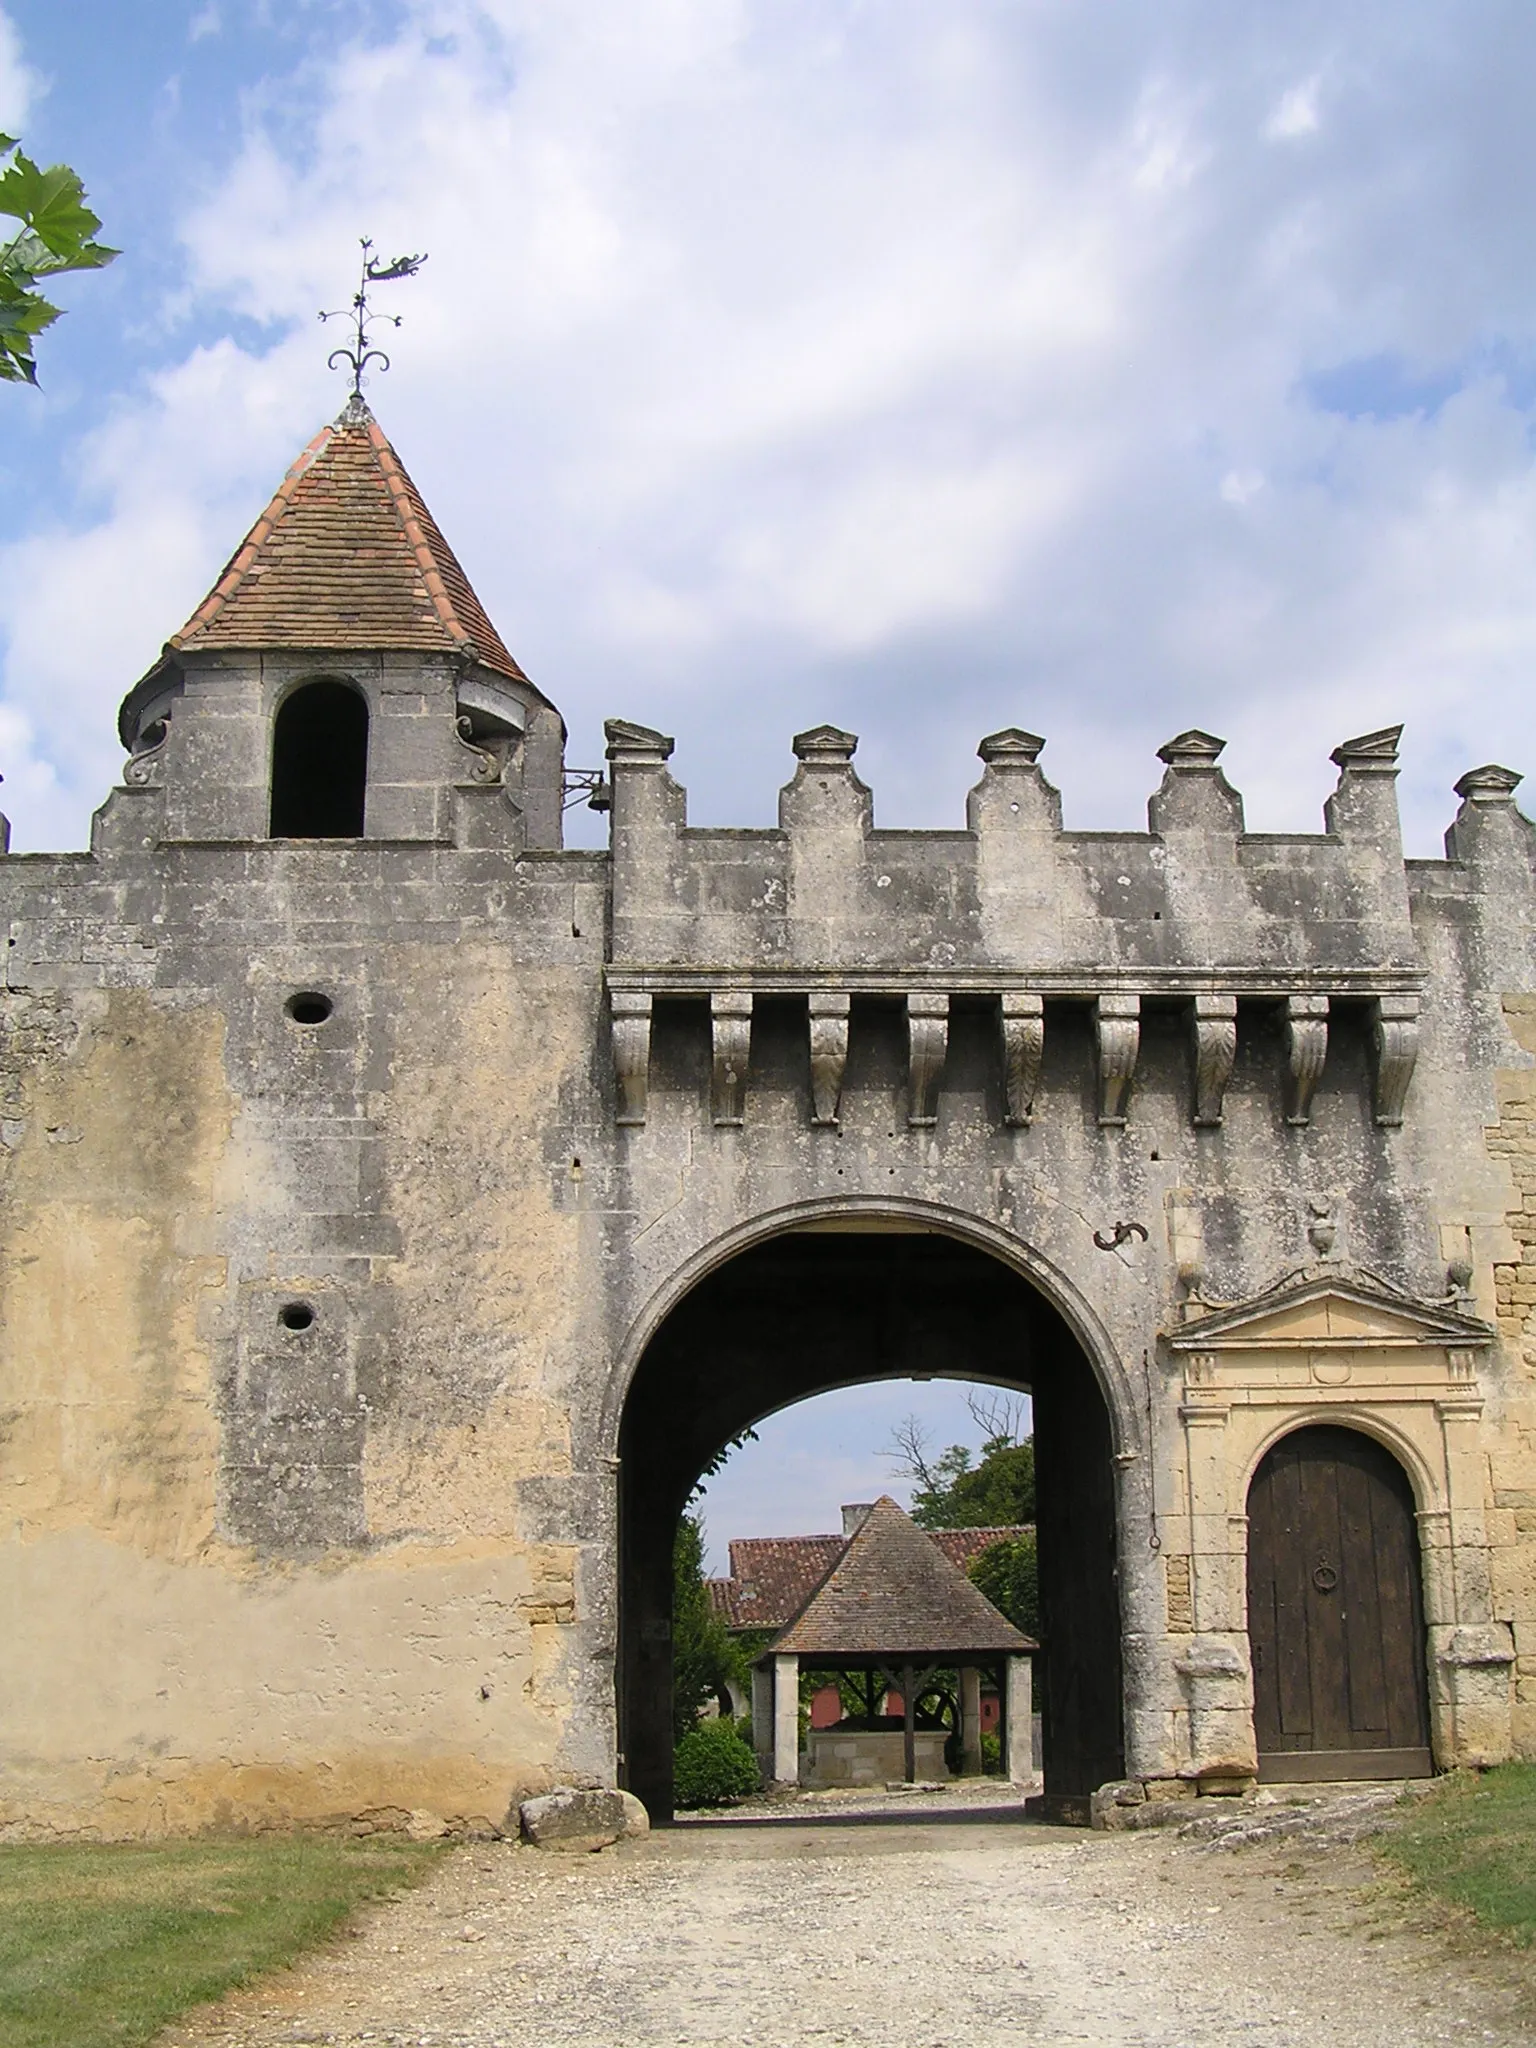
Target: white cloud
x=19, y=84
x=1239, y=485
x=810, y=1460
x=916, y=368
x=1296, y=113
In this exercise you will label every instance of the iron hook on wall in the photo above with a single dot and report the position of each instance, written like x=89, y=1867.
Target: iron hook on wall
x=1122, y=1232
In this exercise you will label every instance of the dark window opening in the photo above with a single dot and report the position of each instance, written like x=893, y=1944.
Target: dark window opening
x=309, y=1007
x=296, y=1315
x=320, y=764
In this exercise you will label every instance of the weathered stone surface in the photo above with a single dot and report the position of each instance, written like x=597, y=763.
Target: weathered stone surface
x=576, y=1822
x=637, y=1821
x=318, y=1336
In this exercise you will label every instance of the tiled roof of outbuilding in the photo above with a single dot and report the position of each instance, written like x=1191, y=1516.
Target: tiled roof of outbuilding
x=772, y=1577
x=893, y=1593
x=347, y=556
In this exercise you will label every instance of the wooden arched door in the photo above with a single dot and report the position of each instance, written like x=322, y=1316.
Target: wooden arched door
x=1336, y=1612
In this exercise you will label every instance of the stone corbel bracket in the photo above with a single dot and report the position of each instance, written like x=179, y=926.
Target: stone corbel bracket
x=1215, y=1053
x=1023, y=1025
x=1117, y=1039
x=1393, y=1013
x=927, y=1045
x=482, y=764
x=829, y=1053
x=730, y=1023
x=1394, y=1050
x=145, y=767
x=631, y=1014
x=1306, y=1052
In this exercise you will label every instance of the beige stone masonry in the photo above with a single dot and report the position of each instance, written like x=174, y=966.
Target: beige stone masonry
x=1335, y=1346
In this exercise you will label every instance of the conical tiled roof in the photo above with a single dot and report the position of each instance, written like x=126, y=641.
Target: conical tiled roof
x=894, y=1594
x=346, y=556
x=772, y=1577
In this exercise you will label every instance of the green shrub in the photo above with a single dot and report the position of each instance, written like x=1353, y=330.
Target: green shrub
x=992, y=1755
x=712, y=1765
x=1007, y=1573
x=704, y=1657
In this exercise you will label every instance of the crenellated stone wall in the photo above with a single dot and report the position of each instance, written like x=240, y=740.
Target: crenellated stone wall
x=344, y=1184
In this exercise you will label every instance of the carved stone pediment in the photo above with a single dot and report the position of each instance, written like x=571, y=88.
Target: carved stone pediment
x=1333, y=1335
x=1342, y=1310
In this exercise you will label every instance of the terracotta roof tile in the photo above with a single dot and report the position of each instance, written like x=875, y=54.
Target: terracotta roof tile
x=719, y=1593
x=346, y=555
x=893, y=1593
x=772, y=1577
x=961, y=1545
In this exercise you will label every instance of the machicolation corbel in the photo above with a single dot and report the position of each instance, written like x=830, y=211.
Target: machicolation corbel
x=1117, y=1039
x=829, y=1053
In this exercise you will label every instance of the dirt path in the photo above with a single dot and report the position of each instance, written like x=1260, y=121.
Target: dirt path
x=901, y=1935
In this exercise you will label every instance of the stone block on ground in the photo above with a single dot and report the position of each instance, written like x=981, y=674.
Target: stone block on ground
x=1111, y=1805
x=575, y=1823
x=636, y=1820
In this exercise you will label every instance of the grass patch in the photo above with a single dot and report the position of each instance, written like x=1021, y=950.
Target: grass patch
x=102, y=1946
x=1472, y=1842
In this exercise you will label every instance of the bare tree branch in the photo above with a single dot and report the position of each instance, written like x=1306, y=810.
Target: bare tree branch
x=908, y=1452
x=997, y=1414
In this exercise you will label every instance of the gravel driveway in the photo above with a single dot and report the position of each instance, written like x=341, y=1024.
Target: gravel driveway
x=896, y=1932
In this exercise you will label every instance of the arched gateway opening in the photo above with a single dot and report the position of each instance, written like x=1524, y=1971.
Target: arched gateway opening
x=830, y=1305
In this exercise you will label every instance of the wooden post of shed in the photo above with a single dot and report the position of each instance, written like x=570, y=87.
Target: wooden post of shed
x=909, y=1722
x=970, y=1720
x=786, y=1720
x=762, y=1717
x=1019, y=1720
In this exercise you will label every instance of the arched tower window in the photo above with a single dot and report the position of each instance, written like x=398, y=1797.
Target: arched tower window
x=320, y=763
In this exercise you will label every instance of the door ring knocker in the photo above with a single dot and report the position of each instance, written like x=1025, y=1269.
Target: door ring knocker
x=1324, y=1577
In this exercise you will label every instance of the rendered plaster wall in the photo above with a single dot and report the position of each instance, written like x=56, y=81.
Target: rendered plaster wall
x=366, y=1569
x=250, y=1574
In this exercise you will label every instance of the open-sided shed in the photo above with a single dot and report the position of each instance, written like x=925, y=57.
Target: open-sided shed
x=895, y=1608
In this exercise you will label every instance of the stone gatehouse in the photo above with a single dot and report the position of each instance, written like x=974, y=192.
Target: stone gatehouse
x=397, y=1210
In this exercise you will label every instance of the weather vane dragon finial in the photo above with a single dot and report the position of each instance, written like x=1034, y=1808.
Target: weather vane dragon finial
x=361, y=352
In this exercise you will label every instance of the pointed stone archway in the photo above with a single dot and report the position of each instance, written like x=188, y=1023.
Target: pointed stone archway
x=809, y=1309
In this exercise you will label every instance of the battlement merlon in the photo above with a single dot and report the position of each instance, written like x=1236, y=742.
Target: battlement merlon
x=1195, y=903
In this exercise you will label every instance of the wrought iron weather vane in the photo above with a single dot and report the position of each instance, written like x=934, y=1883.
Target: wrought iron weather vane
x=361, y=352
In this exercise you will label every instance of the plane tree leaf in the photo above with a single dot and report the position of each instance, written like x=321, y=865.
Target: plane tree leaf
x=56, y=232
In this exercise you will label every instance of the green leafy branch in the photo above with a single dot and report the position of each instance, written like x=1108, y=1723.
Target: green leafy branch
x=56, y=234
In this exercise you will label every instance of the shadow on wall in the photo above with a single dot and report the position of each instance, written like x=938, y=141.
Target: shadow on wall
x=808, y=1311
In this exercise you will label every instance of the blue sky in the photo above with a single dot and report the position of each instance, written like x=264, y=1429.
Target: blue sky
x=927, y=369
x=806, y=1461
x=1104, y=371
